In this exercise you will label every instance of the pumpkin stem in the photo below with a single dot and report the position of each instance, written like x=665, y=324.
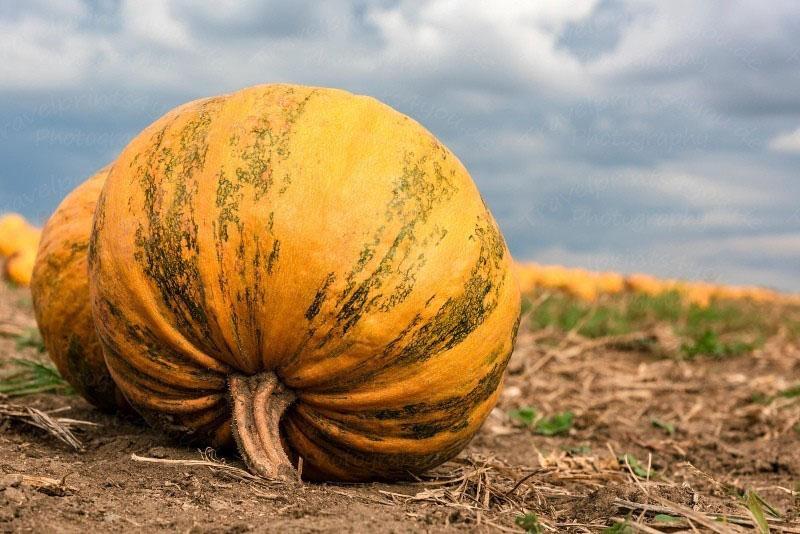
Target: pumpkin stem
x=259, y=402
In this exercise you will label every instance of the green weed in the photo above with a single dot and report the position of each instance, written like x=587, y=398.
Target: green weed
x=623, y=527
x=30, y=338
x=525, y=415
x=759, y=508
x=529, y=522
x=669, y=428
x=709, y=344
x=33, y=377
x=636, y=466
x=556, y=424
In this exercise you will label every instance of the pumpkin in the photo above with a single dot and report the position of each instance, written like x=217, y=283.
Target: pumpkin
x=306, y=272
x=552, y=276
x=60, y=292
x=19, y=267
x=729, y=292
x=645, y=284
x=526, y=275
x=581, y=285
x=16, y=235
x=610, y=283
x=761, y=294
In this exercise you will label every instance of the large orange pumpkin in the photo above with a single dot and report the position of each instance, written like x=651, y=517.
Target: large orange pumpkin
x=308, y=272
x=60, y=291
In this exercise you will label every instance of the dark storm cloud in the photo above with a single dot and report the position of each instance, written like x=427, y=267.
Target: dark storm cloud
x=599, y=34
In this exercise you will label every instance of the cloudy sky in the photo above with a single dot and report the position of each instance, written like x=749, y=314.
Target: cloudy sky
x=636, y=136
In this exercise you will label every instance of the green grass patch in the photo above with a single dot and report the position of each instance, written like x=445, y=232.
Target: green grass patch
x=790, y=392
x=526, y=305
x=25, y=302
x=564, y=313
x=529, y=523
x=667, y=307
x=525, y=415
x=30, y=377
x=669, y=428
x=623, y=527
x=725, y=317
x=724, y=329
x=710, y=344
x=31, y=338
x=554, y=425
x=636, y=466
x=793, y=329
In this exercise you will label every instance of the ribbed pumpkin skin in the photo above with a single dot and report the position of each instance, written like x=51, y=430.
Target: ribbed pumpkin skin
x=318, y=234
x=60, y=291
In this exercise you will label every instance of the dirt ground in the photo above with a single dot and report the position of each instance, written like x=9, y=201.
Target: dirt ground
x=662, y=444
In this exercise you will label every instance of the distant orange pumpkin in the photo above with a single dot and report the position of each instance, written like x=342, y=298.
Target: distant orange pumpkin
x=19, y=267
x=17, y=234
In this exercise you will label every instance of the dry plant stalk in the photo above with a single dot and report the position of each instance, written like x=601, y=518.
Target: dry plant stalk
x=217, y=466
x=58, y=427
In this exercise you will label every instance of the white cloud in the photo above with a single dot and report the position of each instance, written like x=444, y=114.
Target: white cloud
x=37, y=53
x=152, y=21
x=661, y=132
x=703, y=192
x=782, y=245
x=787, y=142
x=493, y=39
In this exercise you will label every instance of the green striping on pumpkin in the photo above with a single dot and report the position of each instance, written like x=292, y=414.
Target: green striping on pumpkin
x=309, y=274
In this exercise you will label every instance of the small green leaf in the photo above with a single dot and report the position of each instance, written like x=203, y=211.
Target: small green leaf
x=790, y=393
x=623, y=527
x=638, y=469
x=767, y=506
x=669, y=428
x=664, y=518
x=754, y=503
x=760, y=398
x=529, y=522
x=525, y=415
x=559, y=423
x=580, y=450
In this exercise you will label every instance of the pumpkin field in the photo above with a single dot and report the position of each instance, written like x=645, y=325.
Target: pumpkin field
x=401, y=266
x=629, y=405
